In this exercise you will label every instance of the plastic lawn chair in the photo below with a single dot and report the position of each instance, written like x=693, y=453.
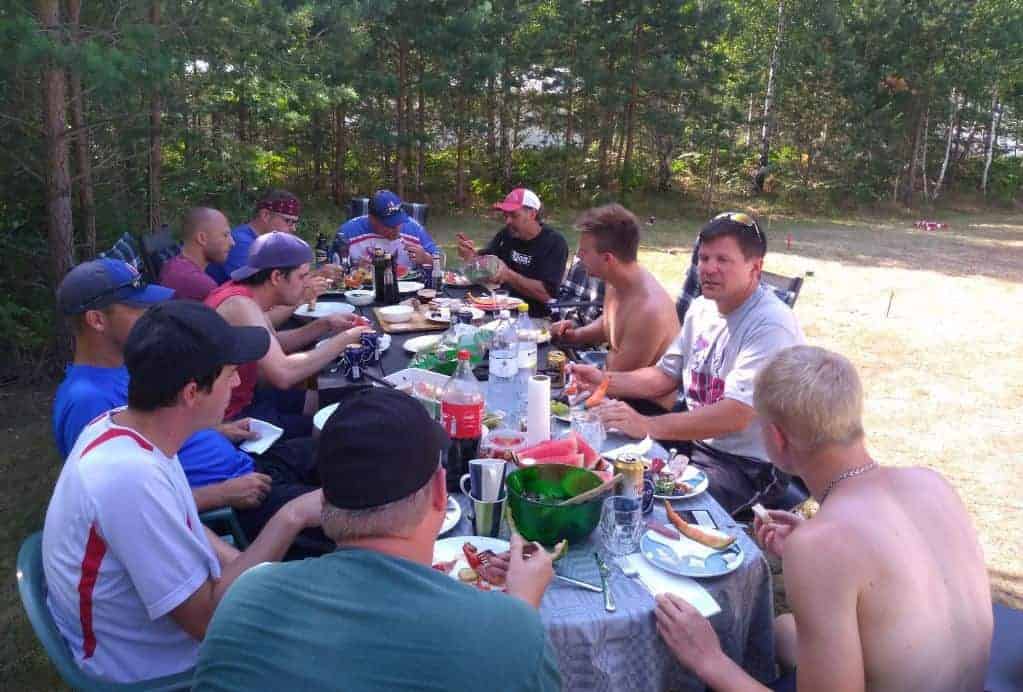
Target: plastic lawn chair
x=32, y=589
x=224, y=522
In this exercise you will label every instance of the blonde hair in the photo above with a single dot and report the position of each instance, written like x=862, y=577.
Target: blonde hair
x=813, y=394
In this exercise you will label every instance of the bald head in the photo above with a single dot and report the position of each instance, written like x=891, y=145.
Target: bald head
x=206, y=231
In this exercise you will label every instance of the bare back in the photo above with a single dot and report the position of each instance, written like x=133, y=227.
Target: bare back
x=917, y=578
x=640, y=323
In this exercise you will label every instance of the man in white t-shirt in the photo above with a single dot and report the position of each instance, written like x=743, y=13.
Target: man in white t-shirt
x=132, y=575
x=729, y=333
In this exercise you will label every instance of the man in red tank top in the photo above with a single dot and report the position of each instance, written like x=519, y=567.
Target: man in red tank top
x=276, y=273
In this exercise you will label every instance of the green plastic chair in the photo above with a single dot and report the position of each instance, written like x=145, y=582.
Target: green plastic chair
x=224, y=522
x=32, y=589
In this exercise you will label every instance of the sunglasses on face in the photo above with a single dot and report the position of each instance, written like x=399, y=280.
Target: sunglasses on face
x=289, y=220
x=136, y=283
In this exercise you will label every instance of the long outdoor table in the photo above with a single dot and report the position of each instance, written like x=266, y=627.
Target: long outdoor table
x=618, y=651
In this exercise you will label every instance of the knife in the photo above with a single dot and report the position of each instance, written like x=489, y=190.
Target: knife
x=609, y=599
x=581, y=584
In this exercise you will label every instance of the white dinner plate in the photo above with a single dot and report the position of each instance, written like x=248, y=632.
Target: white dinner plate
x=321, y=416
x=446, y=549
x=687, y=558
x=417, y=344
x=323, y=309
x=451, y=516
x=410, y=286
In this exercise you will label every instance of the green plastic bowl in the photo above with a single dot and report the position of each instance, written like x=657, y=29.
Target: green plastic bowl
x=536, y=517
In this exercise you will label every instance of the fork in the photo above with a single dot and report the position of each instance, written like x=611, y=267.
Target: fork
x=605, y=572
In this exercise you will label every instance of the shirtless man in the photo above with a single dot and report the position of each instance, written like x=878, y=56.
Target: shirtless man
x=277, y=273
x=887, y=582
x=639, y=320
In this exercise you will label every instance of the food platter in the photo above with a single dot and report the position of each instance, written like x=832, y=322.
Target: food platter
x=443, y=315
x=495, y=303
x=420, y=343
x=447, y=550
x=695, y=478
x=456, y=279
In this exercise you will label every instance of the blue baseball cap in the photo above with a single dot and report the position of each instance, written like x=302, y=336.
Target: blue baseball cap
x=98, y=283
x=275, y=250
x=386, y=207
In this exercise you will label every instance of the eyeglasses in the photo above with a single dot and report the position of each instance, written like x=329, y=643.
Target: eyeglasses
x=136, y=283
x=289, y=220
x=744, y=220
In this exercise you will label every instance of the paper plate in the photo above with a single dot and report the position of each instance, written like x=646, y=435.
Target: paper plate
x=416, y=344
x=683, y=557
x=321, y=416
x=323, y=309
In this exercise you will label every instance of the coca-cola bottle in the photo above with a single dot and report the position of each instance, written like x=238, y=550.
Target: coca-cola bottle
x=461, y=410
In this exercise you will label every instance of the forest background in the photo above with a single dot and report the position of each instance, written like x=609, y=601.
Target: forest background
x=117, y=115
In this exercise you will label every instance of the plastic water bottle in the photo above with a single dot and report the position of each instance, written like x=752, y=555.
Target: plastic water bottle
x=504, y=369
x=525, y=336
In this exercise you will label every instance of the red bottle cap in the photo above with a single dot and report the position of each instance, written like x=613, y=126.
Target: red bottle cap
x=463, y=354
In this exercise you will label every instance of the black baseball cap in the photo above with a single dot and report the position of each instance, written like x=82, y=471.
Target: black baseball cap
x=379, y=446
x=183, y=339
x=99, y=283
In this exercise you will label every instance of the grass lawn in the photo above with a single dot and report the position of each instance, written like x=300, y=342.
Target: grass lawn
x=929, y=318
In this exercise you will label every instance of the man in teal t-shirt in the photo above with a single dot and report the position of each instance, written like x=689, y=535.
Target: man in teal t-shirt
x=374, y=615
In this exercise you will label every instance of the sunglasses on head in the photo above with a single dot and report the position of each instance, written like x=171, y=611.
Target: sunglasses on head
x=136, y=283
x=744, y=220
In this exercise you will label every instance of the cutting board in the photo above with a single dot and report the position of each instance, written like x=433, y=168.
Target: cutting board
x=418, y=323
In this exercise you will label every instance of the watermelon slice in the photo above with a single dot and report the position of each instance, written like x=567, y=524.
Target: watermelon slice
x=551, y=448
x=402, y=272
x=605, y=476
x=569, y=459
x=587, y=451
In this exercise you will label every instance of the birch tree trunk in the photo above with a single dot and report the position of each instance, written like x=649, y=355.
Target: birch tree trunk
x=953, y=126
x=749, y=122
x=155, y=135
x=991, y=141
x=772, y=78
x=83, y=160
x=923, y=151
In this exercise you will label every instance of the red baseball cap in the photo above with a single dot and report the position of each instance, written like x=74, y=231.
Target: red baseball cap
x=518, y=198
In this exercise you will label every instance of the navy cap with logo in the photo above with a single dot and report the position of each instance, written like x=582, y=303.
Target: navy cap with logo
x=99, y=283
x=385, y=206
x=275, y=250
x=185, y=335
x=379, y=446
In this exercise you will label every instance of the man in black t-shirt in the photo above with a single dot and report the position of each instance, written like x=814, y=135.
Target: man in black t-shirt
x=532, y=254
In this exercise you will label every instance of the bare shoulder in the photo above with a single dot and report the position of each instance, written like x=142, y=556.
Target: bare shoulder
x=242, y=311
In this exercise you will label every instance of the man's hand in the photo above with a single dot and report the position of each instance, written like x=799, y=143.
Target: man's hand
x=502, y=274
x=331, y=272
x=527, y=579
x=315, y=286
x=338, y=322
x=466, y=248
x=304, y=511
x=586, y=377
x=248, y=491
x=622, y=417
x=687, y=634
x=237, y=431
x=417, y=253
x=563, y=331
x=771, y=534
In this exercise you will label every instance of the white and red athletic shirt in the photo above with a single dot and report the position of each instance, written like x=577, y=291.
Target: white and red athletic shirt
x=122, y=547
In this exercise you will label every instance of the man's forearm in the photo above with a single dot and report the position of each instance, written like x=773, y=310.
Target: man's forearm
x=273, y=541
x=530, y=288
x=590, y=334
x=209, y=496
x=292, y=340
x=724, y=675
x=721, y=418
x=645, y=383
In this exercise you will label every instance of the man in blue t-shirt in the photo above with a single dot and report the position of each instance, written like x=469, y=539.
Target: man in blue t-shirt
x=277, y=210
x=103, y=299
x=388, y=227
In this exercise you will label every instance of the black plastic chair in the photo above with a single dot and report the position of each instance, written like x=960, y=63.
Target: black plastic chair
x=1005, y=671
x=158, y=247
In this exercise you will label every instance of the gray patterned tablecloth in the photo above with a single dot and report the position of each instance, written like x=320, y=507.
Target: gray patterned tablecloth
x=621, y=651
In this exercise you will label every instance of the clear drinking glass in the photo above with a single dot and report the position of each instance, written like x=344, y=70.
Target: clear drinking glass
x=621, y=524
x=586, y=425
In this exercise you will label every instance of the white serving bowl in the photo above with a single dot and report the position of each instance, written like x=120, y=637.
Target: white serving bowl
x=395, y=313
x=360, y=297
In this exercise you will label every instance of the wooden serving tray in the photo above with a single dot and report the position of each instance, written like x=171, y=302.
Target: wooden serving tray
x=418, y=323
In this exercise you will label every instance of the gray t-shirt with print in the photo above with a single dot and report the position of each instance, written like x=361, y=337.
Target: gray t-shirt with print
x=717, y=356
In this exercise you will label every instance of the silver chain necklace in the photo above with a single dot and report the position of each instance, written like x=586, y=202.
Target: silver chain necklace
x=851, y=473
